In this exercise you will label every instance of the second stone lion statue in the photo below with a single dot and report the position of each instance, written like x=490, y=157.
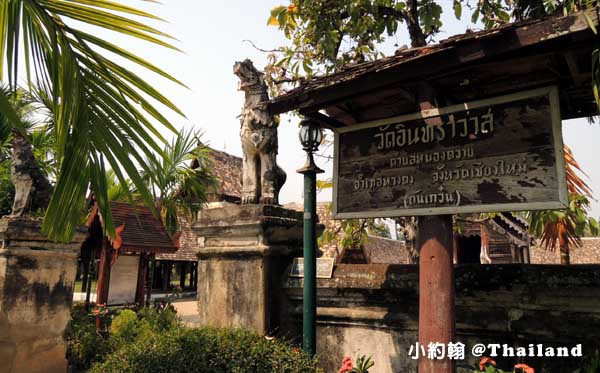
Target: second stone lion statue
x=262, y=179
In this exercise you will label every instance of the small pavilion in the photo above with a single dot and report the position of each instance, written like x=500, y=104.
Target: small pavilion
x=124, y=261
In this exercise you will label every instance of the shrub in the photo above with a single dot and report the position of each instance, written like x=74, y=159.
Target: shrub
x=206, y=350
x=85, y=345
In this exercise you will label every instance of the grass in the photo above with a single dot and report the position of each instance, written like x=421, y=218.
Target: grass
x=78, y=288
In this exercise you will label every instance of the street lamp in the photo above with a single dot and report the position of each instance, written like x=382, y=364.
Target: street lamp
x=310, y=136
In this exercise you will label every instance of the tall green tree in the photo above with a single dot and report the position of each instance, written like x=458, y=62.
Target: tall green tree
x=104, y=115
x=326, y=35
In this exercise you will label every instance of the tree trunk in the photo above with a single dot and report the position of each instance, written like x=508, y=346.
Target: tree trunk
x=563, y=244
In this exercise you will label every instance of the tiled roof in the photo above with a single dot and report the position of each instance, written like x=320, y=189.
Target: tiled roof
x=375, y=250
x=514, y=36
x=142, y=231
x=188, y=242
x=227, y=169
x=386, y=251
x=587, y=253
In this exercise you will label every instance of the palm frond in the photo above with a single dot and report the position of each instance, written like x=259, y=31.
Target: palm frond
x=565, y=227
x=103, y=112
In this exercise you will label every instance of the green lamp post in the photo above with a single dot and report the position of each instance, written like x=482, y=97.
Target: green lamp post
x=310, y=136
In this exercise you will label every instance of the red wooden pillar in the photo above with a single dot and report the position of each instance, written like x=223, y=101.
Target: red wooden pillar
x=103, y=278
x=141, y=279
x=436, y=289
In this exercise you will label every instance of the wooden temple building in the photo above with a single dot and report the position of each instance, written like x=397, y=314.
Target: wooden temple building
x=500, y=239
x=124, y=261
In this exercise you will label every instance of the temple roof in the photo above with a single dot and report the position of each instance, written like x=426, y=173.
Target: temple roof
x=513, y=57
x=227, y=168
x=138, y=230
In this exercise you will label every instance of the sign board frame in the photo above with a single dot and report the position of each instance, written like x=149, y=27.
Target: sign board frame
x=551, y=92
x=329, y=264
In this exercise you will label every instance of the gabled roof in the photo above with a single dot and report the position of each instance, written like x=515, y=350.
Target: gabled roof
x=138, y=230
x=513, y=228
x=227, y=169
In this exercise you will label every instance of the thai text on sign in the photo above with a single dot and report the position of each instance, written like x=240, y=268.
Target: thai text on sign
x=499, y=154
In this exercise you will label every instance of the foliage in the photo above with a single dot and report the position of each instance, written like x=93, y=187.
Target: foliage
x=7, y=190
x=85, y=345
x=103, y=112
x=487, y=365
x=207, y=350
x=182, y=179
x=353, y=233
x=590, y=363
x=565, y=227
x=363, y=364
x=326, y=35
x=152, y=339
x=36, y=124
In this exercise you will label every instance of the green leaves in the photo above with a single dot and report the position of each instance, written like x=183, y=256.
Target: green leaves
x=182, y=180
x=104, y=114
x=457, y=6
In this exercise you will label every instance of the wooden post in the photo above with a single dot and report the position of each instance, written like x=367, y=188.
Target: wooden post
x=182, y=270
x=103, y=278
x=166, y=275
x=141, y=279
x=436, y=289
x=85, y=266
x=150, y=279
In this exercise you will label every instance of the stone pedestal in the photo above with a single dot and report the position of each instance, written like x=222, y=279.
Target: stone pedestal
x=36, y=292
x=243, y=252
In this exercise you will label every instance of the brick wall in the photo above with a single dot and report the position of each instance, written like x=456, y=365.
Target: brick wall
x=588, y=253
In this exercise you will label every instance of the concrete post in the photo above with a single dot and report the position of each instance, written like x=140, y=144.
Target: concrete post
x=243, y=253
x=36, y=292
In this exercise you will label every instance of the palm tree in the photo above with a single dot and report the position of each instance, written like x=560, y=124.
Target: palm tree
x=565, y=227
x=103, y=113
x=182, y=180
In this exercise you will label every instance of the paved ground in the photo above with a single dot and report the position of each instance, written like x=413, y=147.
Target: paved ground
x=186, y=306
x=187, y=310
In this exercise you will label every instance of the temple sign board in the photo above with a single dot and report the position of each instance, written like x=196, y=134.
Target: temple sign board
x=499, y=154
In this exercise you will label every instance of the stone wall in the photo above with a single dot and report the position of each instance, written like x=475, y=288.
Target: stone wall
x=373, y=310
x=588, y=253
x=36, y=292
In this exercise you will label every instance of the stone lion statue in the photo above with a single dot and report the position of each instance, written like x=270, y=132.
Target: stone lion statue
x=262, y=179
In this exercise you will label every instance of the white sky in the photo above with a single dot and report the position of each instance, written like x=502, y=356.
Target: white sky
x=211, y=34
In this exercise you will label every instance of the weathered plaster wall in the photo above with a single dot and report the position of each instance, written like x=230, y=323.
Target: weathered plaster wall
x=373, y=310
x=587, y=253
x=36, y=291
x=243, y=253
x=123, y=279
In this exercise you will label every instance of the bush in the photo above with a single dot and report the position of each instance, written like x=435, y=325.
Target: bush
x=206, y=350
x=85, y=345
x=153, y=340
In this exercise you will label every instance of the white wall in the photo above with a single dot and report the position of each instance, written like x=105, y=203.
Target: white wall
x=123, y=279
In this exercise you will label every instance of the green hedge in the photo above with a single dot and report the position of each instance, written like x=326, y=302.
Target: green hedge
x=153, y=340
x=207, y=350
